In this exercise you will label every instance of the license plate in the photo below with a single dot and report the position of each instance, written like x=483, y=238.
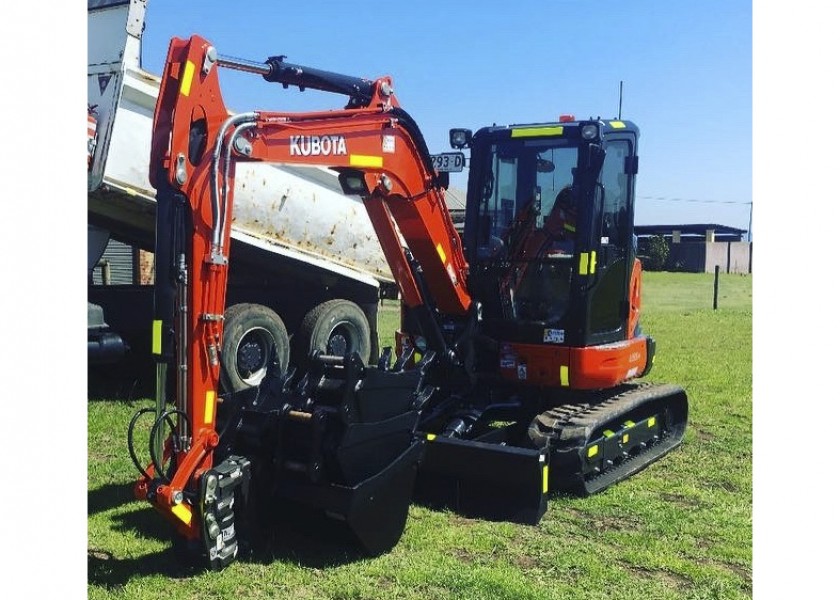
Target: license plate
x=452, y=162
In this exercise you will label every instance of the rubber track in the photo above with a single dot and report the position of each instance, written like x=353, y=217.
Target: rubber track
x=567, y=428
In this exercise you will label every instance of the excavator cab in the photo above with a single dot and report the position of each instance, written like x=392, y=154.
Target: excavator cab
x=547, y=232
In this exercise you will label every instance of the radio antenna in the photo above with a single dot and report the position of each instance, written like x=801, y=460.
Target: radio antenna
x=620, y=97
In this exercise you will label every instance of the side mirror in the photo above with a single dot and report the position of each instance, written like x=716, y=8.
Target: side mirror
x=460, y=138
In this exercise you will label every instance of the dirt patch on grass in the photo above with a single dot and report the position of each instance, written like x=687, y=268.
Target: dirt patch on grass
x=603, y=523
x=673, y=580
x=96, y=554
x=744, y=574
x=684, y=501
x=524, y=561
x=464, y=556
x=703, y=435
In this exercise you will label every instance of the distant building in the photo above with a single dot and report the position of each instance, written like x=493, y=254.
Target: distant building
x=696, y=248
x=700, y=247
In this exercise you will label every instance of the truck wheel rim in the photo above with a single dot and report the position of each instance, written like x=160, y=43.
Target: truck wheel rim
x=339, y=341
x=252, y=354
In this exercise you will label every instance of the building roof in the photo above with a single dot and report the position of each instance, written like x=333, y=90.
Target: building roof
x=688, y=229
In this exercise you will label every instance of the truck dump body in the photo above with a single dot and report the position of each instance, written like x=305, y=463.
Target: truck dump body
x=296, y=214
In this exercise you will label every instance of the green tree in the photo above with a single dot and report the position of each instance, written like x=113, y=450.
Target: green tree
x=657, y=252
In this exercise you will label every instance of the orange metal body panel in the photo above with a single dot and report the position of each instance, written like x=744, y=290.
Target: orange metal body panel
x=597, y=367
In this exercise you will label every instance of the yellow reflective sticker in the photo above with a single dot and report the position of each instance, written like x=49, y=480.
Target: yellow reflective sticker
x=209, y=405
x=431, y=437
x=535, y=131
x=564, y=375
x=608, y=433
x=651, y=421
x=182, y=512
x=629, y=423
x=361, y=160
x=157, y=333
x=441, y=253
x=592, y=262
x=584, y=264
x=187, y=77
x=617, y=124
x=592, y=451
x=625, y=439
x=545, y=479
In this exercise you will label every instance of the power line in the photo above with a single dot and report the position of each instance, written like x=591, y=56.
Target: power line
x=694, y=200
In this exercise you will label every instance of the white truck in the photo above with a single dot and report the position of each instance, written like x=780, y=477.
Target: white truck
x=307, y=270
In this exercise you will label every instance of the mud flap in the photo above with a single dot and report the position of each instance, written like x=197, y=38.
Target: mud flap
x=482, y=480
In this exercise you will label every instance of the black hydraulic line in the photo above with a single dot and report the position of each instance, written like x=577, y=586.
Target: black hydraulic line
x=425, y=312
x=131, y=451
x=153, y=435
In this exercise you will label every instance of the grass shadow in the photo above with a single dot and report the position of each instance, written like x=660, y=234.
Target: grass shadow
x=304, y=536
x=111, y=573
x=109, y=496
x=293, y=534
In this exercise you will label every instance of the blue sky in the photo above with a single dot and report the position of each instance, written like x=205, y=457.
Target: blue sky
x=686, y=68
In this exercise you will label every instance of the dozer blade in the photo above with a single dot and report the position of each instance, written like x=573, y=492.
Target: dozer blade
x=492, y=481
x=598, y=444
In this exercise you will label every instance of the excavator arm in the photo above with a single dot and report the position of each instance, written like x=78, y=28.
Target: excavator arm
x=379, y=153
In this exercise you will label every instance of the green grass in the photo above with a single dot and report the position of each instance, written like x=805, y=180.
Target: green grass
x=681, y=529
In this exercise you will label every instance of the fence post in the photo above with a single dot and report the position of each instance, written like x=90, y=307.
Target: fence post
x=717, y=277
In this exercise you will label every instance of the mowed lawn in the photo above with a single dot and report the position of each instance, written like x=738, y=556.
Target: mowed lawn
x=681, y=529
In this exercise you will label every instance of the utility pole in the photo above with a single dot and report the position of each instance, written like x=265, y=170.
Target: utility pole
x=749, y=227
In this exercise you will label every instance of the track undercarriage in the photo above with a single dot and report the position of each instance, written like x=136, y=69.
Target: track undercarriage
x=509, y=459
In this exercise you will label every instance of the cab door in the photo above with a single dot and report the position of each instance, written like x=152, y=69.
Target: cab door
x=609, y=305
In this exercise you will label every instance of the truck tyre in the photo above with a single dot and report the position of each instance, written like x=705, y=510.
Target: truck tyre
x=336, y=327
x=254, y=342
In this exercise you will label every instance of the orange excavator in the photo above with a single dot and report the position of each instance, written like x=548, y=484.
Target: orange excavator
x=513, y=375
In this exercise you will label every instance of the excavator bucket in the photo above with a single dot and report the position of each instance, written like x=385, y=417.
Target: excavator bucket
x=338, y=439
